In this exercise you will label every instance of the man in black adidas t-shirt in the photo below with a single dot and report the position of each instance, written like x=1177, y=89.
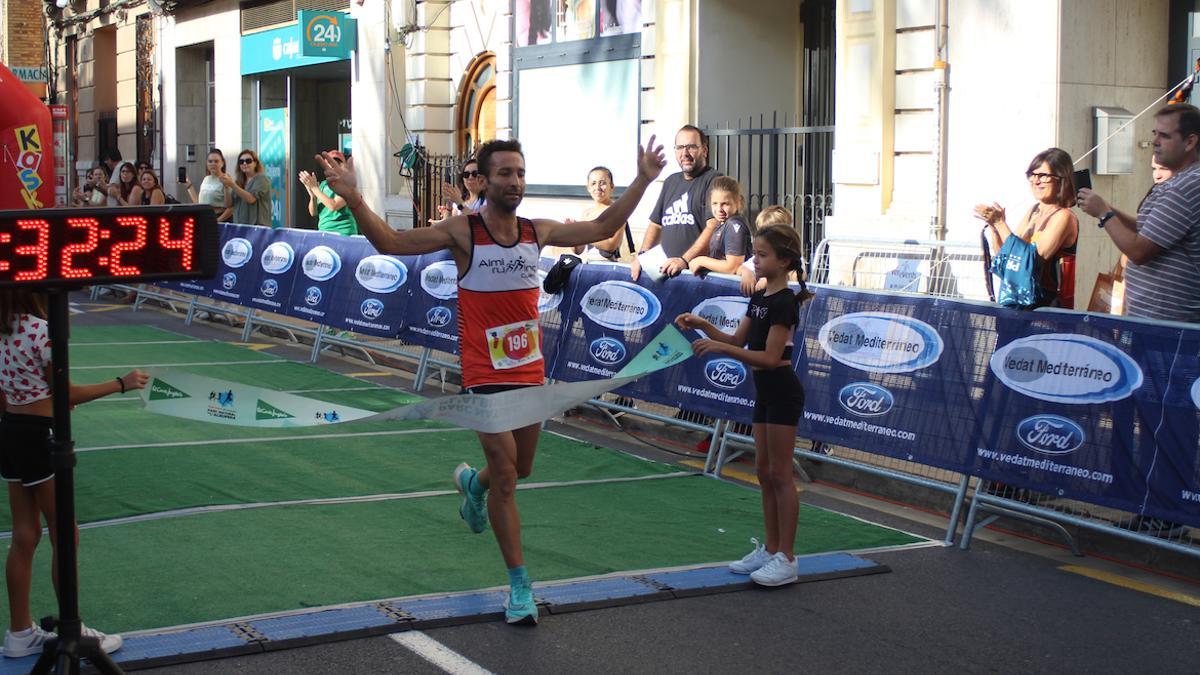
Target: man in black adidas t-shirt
x=682, y=220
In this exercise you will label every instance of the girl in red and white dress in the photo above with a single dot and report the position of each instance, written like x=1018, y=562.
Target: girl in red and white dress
x=26, y=439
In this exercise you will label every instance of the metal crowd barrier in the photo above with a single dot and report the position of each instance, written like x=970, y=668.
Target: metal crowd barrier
x=944, y=269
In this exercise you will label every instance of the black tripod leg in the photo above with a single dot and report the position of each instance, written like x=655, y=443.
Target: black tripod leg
x=89, y=648
x=47, y=658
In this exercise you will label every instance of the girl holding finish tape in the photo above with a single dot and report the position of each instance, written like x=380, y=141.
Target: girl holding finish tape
x=766, y=331
x=25, y=459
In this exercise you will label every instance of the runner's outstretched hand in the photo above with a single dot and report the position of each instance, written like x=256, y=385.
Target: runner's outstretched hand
x=341, y=177
x=651, y=160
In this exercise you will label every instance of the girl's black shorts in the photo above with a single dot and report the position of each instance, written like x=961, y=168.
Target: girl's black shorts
x=778, y=396
x=25, y=449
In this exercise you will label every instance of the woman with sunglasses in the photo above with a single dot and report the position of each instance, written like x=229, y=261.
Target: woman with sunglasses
x=467, y=197
x=251, y=191
x=1050, y=225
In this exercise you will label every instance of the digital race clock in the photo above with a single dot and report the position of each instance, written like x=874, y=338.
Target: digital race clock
x=79, y=247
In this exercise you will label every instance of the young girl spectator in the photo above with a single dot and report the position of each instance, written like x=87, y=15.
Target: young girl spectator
x=25, y=460
x=121, y=189
x=148, y=191
x=730, y=242
x=772, y=215
x=251, y=191
x=766, y=331
x=212, y=191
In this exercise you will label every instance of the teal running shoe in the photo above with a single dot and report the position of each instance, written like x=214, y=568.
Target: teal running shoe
x=519, y=608
x=473, y=509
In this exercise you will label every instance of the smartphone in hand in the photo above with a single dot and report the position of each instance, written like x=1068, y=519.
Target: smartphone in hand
x=183, y=174
x=1083, y=179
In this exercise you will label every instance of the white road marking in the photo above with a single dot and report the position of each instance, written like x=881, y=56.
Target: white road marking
x=144, y=366
x=438, y=654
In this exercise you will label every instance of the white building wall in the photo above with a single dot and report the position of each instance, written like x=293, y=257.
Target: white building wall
x=1024, y=76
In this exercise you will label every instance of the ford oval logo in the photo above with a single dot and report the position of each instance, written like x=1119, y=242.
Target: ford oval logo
x=620, y=305
x=1066, y=368
x=237, y=252
x=269, y=288
x=438, y=316
x=312, y=296
x=725, y=312
x=229, y=280
x=725, y=373
x=371, y=308
x=881, y=342
x=321, y=263
x=440, y=280
x=865, y=399
x=381, y=273
x=607, y=351
x=278, y=258
x=1050, y=434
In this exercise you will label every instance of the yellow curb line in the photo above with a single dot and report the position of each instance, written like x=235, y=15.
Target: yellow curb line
x=1118, y=580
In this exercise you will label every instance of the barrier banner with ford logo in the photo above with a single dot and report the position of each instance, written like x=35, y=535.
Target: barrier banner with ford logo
x=1091, y=407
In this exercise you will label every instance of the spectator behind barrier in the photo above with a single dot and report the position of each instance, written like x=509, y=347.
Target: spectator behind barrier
x=730, y=243
x=772, y=215
x=148, y=191
x=1049, y=225
x=330, y=210
x=251, y=191
x=123, y=183
x=681, y=221
x=212, y=191
x=467, y=196
x=600, y=186
x=94, y=189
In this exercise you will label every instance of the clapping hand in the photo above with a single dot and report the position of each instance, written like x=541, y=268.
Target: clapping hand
x=309, y=181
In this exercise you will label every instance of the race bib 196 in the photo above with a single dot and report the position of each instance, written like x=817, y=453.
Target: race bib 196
x=514, y=344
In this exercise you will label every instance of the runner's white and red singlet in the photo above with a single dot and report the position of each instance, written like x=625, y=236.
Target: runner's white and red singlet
x=499, y=338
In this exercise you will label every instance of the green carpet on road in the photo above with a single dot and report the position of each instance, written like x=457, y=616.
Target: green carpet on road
x=224, y=565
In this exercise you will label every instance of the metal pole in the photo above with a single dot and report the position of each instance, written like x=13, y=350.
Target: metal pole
x=942, y=87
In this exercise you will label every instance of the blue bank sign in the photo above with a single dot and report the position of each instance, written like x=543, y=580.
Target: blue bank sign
x=283, y=48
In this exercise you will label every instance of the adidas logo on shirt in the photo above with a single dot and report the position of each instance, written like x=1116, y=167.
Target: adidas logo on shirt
x=678, y=213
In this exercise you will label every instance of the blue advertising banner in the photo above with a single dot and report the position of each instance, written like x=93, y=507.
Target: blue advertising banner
x=324, y=259
x=1091, y=407
x=1099, y=410
x=278, y=49
x=271, y=270
x=372, y=295
x=433, y=304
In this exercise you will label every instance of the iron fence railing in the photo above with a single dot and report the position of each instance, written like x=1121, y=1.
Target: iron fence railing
x=779, y=165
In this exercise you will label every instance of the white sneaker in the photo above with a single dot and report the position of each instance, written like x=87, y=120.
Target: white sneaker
x=109, y=643
x=26, y=642
x=776, y=572
x=752, y=560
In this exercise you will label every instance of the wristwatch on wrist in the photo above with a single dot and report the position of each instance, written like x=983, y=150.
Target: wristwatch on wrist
x=1105, y=218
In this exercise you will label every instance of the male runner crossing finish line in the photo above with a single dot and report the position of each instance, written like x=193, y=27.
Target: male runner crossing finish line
x=496, y=254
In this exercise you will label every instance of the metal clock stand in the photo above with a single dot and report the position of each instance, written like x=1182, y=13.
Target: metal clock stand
x=64, y=652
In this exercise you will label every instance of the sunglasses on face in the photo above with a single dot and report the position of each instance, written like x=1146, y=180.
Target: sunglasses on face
x=245, y=160
x=471, y=174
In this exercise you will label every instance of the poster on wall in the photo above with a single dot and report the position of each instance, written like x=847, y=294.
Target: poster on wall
x=272, y=144
x=577, y=20
x=533, y=22
x=618, y=17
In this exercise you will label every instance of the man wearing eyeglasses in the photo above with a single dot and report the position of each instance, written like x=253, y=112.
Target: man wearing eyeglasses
x=682, y=220
x=1163, y=241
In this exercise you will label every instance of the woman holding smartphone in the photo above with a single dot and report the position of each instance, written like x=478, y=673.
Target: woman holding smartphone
x=212, y=191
